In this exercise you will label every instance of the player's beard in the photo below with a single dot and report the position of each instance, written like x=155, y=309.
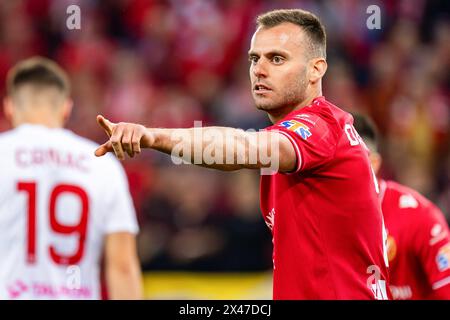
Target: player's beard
x=286, y=98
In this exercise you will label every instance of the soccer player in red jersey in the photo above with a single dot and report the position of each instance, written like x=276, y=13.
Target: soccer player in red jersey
x=321, y=204
x=418, y=234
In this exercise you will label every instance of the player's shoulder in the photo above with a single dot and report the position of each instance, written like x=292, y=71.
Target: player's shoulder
x=424, y=221
x=107, y=169
x=409, y=201
x=319, y=114
x=79, y=140
x=7, y=136
x=19, y=136
x=323, y=110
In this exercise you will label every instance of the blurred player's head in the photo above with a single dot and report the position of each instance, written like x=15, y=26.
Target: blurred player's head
x=38, y=92
x=287, y=56
x=369, y=133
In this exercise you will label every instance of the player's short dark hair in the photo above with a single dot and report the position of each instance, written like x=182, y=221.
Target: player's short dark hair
x=38, y=71
x=367, y=130
x=309, y=23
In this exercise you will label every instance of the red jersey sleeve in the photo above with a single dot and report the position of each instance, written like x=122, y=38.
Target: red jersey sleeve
x=432, y=246
x=314, y=138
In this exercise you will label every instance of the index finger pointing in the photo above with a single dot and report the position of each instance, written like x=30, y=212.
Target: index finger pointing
x=105, y=124
x=103, y=149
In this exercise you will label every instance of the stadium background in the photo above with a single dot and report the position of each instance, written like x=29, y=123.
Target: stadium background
x=170, y=63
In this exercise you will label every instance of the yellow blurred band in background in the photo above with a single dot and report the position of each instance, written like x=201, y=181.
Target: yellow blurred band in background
x=208, y=286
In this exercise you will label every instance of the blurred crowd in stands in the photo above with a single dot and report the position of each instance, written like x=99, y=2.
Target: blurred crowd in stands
x=170, y=63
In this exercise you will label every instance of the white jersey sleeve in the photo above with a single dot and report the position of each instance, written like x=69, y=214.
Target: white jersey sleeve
x=119, y=214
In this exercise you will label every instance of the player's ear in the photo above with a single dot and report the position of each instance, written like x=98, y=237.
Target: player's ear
x=8, y=109
x=67, y=109
x=318, y=67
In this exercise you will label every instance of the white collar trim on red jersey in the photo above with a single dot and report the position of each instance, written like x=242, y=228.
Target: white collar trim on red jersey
x=383, y=187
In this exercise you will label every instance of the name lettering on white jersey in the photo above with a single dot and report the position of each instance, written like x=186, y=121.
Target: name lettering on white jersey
x=29, y=157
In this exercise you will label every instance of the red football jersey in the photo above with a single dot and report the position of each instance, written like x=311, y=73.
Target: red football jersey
x=325, y=217
x=418, y=244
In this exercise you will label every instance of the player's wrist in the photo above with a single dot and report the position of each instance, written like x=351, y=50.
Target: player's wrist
x=152, y=138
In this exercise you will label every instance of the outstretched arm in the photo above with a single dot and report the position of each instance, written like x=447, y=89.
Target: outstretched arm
x=214, y=147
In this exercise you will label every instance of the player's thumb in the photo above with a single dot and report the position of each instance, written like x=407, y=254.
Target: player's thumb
x=105, y=124
x=103, y=149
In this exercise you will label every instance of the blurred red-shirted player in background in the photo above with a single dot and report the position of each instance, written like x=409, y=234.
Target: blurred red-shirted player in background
x=321, y=205
x=418, y=234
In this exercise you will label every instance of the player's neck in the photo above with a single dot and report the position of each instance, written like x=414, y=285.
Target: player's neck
x=277, y=116
x=37, y=120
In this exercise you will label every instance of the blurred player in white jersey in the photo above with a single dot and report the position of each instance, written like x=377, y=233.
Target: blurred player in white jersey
x=61, y=208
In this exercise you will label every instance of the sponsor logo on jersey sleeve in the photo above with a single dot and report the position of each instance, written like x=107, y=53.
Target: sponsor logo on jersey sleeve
x=299, y=128
x=443, y=258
